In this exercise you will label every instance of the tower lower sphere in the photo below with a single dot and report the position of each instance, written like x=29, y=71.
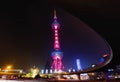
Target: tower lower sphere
x=57, y=61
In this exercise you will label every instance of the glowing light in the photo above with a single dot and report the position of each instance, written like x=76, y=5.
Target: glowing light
x=51, y=71
x=9, y=67
x=34, y=72
x=56, y=37
x=105, y=55
x=110, y=69
x=56, y=31
x=93, y=65
x=56, y=34
x=55, y=71
x=46, y=71
x=56, y=26
x=60, y=71
x=56, y=41
x=73, y=70
x=74, y=76
x=57, y=57
x=42, y=71
x=92, y=73
x=84, y=76
x=69, y=70
x=6, y=70
x=56, y=45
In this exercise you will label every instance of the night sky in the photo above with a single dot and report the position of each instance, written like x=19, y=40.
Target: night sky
x=26, y=36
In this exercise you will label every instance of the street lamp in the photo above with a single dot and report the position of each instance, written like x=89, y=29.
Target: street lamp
x=9, y=67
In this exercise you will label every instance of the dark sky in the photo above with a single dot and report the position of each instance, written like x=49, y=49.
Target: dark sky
x=101, y=15
x=26, y=35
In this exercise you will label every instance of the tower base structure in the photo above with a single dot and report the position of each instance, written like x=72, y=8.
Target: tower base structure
x=57, y=65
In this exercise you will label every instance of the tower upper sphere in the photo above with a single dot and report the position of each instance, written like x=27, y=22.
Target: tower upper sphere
x=55, y=24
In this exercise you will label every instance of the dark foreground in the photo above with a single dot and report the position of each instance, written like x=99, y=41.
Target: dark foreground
x=86, y=81
x=59, y=81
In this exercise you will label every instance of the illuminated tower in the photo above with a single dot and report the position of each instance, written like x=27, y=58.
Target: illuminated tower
x=57, y=55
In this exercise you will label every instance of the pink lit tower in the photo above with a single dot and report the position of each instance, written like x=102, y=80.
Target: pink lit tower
x=57, y=65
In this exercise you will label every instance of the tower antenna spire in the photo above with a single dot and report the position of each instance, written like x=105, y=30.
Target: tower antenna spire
x=55, y=16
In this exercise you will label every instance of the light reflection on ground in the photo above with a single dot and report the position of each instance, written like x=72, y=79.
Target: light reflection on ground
x=10, y=81
x=20, y=81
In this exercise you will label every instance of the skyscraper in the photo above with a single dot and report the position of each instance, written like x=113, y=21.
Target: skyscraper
x=79, y=67
x=57, y=55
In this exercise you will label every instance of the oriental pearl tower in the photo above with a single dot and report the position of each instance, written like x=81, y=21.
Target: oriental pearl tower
x=57, y=65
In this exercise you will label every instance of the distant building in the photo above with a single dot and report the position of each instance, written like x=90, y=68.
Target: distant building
x=79, y=67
